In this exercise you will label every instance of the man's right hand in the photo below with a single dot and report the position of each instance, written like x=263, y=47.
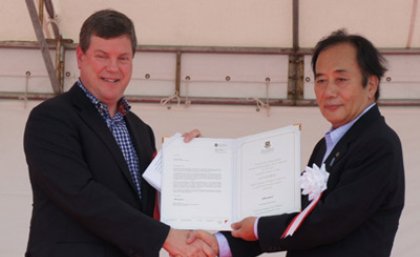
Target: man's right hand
x=209, y=239
x=177, y=246
x=244, y=229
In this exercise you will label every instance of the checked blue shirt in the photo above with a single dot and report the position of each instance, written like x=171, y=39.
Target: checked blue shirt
x=119, y=130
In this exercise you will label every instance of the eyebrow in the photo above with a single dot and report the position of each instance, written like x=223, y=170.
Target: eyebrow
x=104, y=52
x=99, y=51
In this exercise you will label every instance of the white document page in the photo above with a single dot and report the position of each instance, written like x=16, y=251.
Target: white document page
x=268, y=170
x=197, y=185
x=153, y=172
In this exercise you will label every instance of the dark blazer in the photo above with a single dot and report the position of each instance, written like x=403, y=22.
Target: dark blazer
x=358, y=213
x=84, y=201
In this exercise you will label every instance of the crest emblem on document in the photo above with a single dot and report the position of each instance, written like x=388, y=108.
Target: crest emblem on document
x=267, y=147
x=220, y=147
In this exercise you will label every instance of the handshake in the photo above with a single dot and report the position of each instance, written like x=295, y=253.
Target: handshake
x=191, y=243
x=199, y=243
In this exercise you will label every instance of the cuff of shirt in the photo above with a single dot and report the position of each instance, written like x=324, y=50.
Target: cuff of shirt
x=224, y=249
x=256, y=227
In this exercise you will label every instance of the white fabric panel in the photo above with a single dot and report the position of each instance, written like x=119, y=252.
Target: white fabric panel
x=263, y=23
x=153, y=74
x=402, y=80
x=234, y=75
x=180, y=22
x=14, y=65
x=385, y=22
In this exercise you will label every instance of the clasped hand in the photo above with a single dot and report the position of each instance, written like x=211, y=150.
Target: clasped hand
x=182, y=243
x=205, y=244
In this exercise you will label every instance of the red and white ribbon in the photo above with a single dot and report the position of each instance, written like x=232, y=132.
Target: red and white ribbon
x=313, y=181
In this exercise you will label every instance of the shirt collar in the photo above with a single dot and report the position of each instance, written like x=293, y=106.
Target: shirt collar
x=123, y=105
x=338, y=133
x=334, y=135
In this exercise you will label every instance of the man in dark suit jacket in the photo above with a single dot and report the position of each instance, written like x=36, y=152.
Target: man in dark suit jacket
x=86, y=152
x=358, y=214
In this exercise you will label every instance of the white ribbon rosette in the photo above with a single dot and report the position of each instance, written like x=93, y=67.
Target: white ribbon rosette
x=313, y=182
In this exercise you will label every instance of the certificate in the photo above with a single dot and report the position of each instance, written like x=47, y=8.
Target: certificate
x=211, y=183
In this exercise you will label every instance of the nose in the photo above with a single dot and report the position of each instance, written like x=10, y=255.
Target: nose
x=112, y=65
x=330, y=89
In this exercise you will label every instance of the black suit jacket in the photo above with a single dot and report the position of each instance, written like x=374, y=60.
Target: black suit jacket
x=359, y=212
x=84, y=200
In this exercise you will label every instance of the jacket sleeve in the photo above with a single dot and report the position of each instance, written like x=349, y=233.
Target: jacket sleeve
x=242, y=248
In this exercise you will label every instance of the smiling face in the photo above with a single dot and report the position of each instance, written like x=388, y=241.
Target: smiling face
x=339, y=91
x=106, y=68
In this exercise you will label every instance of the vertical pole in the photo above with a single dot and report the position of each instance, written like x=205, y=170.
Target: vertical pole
x=295, y=25
x=295, y=85
x=178, y=74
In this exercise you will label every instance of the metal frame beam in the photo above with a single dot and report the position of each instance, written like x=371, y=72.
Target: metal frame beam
x=69, y=45
x=57, y=87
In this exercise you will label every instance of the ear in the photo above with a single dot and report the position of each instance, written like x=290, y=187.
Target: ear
x=372, y=86
x=80, y=55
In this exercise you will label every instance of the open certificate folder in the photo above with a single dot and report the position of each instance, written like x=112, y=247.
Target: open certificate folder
x=211, y=183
